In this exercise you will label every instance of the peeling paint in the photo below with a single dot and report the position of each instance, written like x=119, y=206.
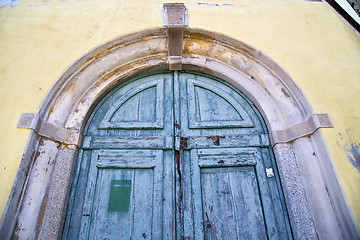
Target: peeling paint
x=12, y=3
x=284, y=92
x=353, y=154
x=349, y=143
x=4, y=2
x=214, y=4
x=42, y=169
x=209, y=4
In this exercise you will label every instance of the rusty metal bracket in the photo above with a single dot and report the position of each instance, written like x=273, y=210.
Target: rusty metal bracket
x=49, y=130
x=300, y=130
x=175, y=19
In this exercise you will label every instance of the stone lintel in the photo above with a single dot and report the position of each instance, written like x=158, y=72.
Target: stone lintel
x=49, y=130
x=303, y=129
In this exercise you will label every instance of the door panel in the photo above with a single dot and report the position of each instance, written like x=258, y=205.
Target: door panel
x=138, y=108
x=142, y=107
x=228, y=151
x=176, y=156
x=117, y=198
x=210, y=107
x=231, y=204
x=118, y=211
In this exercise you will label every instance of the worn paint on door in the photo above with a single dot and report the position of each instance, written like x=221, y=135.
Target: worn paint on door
x=176, y=156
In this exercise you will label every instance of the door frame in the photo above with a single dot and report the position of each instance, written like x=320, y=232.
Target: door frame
x=315, y=201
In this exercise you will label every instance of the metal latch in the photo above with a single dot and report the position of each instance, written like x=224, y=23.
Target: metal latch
x=180, y=143
x=177, y=143
x=269, y=172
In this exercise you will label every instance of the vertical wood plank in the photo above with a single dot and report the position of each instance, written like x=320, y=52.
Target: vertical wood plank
x=157, y=205
x=73, y=216
x=147, y=110
x=145, y=202
x=277, y=224
x=187, y=196
x=249, y=210
x=169, y=205
x=196, y=198
x=89, y=198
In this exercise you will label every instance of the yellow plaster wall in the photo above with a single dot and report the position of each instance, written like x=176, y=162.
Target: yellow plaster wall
x=39, y=39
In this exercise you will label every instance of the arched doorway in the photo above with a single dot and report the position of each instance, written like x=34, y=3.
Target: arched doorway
x=176, y=156
x=39, y=198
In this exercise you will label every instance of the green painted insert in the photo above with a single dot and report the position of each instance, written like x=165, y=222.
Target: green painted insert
x=119, y=199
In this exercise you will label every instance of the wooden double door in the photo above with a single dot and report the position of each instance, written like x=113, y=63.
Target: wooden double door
x=176, y=156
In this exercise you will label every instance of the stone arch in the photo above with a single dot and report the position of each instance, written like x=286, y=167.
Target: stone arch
x=316, y=206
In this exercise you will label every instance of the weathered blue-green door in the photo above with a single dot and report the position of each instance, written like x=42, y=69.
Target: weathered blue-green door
x=176, y=156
